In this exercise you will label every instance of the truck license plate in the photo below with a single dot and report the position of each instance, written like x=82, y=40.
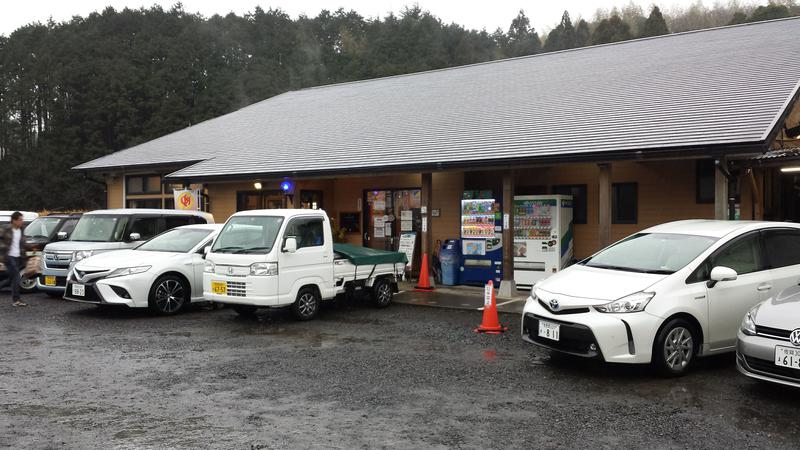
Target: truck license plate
x=78, y=290
x=219, y=287
x=787, y=357
x=549, y=330
x=49, y=280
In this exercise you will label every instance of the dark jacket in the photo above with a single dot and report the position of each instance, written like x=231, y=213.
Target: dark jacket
x=6, y=236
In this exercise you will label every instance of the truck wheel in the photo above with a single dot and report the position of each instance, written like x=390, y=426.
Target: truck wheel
x=382, y=292
x=245, y=310
x=168, y=295
x=306, y=306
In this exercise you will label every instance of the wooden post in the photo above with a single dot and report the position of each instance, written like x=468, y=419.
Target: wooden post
x=604, y=205
x=507, y=286
x=720, y=195
x=426, y=236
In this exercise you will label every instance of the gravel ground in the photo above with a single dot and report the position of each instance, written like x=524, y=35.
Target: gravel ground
x=78, y=376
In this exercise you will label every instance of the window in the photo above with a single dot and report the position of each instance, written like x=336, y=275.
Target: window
x=705, y=181
x=311, y=199
x=743, y=255
x=248, y=200
x=308, y=232
x=350, y=221
x=143, y=184
x=147, y=227
x=96, y=228
x=578, y=193
x=661, y=253
x=171, y=222
x=782, y=247
x=248, y=234
x=152, y=203
x=68, y=226
x=623, y=203
x=169, y=203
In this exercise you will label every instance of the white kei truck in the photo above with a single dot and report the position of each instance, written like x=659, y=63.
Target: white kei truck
x=277, y=258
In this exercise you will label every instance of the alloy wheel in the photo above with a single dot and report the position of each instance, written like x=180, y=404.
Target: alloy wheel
x=169, y=296
x=384, y=293
x=306, y=304
x=678, y=348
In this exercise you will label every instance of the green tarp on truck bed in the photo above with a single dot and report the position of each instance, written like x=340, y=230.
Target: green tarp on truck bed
x=363, y=256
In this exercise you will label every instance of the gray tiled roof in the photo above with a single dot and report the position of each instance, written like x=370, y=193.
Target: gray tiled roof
x=720, y=86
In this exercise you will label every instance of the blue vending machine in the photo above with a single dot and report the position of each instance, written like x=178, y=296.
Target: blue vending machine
x=481, y=239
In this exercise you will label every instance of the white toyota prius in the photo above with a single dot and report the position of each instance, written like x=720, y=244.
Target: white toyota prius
x=665, y=295
x=164, y=273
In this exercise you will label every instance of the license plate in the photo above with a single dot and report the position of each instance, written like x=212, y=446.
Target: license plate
x=549, y=330
x=49, y=280
x=219, y=287
x=78, y=290
x=787, y=357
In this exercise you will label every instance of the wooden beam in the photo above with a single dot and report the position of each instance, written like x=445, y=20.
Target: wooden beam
x=604, y=204
x=720, y=195
x=507, y=286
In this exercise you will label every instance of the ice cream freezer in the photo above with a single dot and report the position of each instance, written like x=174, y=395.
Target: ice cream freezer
x=543, y=242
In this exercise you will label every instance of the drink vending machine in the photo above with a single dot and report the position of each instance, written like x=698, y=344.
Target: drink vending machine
x=481, y=239
x=542, y=236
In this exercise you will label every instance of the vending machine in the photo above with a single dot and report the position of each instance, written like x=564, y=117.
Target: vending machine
x=542, y=236
x=481, y=239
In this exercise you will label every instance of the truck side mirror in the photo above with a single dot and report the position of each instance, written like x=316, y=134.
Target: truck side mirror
x=135, y=236
x=61, y=235
x=290, y=245
x=206, y=250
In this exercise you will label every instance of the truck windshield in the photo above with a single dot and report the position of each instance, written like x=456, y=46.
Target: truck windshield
x=95, y=228
x=658, y=253
x=248, y=234
x=42, y=227
x=178, y=240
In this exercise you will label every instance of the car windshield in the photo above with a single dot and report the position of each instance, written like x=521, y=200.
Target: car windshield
x=42, y=227
x=659, y=253
x=95, y=228
x=248, y=234
x=179, y=240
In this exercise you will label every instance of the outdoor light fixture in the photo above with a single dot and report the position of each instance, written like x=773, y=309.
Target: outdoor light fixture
x=790, y=169
x=257, y=185
x=286, y=185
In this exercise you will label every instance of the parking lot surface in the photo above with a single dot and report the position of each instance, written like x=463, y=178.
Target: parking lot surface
x=79, y=376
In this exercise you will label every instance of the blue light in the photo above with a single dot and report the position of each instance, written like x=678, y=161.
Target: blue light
x=286, y=186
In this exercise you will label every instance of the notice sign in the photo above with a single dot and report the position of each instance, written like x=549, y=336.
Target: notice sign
x=187, y=199
x=487, y=295
x=407, y=241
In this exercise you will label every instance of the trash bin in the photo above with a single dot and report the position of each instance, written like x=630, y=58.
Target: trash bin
x=449, y=257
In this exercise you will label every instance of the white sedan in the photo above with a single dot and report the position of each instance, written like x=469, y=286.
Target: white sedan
x=164, y=273
x=665, y=295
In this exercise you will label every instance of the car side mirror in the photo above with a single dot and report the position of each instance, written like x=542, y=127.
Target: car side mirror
x=135, y=236
x=61, y=235
x=721, y=273
x=290, y=245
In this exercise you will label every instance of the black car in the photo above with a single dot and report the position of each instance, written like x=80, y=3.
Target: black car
x=38, y=233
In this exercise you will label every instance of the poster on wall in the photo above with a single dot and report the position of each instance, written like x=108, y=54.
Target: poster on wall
x=406, y=225
x=406, y=215
x=379, y=221
x=187, y=199
x=388, y=229
x=379, y=232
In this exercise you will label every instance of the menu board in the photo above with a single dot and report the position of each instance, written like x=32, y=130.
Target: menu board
x=477, y=218
x=533, y=219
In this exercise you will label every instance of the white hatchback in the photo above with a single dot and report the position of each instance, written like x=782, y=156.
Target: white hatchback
x=665, y=295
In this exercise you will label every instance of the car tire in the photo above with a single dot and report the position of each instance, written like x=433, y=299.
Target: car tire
x=307, y=304
x=675, y=348
x=382, y=293
x=168, y=295
x=245, y=310
x=27, y=284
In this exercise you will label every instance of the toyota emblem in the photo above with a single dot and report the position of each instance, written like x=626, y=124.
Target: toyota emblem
x=554, y=304
x=794, y=338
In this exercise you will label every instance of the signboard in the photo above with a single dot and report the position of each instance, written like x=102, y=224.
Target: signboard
x=187, y=199
x=407, y=241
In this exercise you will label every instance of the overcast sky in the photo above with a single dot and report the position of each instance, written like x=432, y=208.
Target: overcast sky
x=489, y=14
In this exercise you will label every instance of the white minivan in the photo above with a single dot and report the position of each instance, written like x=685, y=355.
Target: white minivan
x=664, y=295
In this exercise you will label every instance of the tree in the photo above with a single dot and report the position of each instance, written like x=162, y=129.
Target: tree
x=522, y=38
x=738, y=18
x=562, y=37
x=769, y=12
x=582, y=34
x=655, y=25
x=612, y=29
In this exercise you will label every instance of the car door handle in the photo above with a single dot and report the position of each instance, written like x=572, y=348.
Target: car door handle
x=764, y=287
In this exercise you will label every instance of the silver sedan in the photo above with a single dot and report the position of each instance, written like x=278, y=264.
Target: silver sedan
x=769, y=340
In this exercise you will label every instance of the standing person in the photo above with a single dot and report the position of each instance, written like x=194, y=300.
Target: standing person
x=12, y=251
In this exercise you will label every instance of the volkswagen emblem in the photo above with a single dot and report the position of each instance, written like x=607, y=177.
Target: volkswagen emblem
x=230, y=270
x=554, y=304
x=794, y=338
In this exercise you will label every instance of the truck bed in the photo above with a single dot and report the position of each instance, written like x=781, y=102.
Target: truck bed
x=353, y=263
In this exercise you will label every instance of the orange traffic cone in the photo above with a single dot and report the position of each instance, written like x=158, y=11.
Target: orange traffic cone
x=490, y=323
x=424, y=284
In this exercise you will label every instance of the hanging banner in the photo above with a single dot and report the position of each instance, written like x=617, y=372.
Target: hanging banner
x=187, y=199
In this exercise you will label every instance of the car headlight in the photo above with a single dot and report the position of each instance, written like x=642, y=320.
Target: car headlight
x=632, y=303
x=81, y=254
x=209, y=267
x=748, y=323
x=264, y=268
x=121, y=272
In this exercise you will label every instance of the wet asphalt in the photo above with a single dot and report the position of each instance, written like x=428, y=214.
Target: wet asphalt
x=79, y=376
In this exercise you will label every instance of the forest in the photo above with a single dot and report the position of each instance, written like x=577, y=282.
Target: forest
x=77, y=90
